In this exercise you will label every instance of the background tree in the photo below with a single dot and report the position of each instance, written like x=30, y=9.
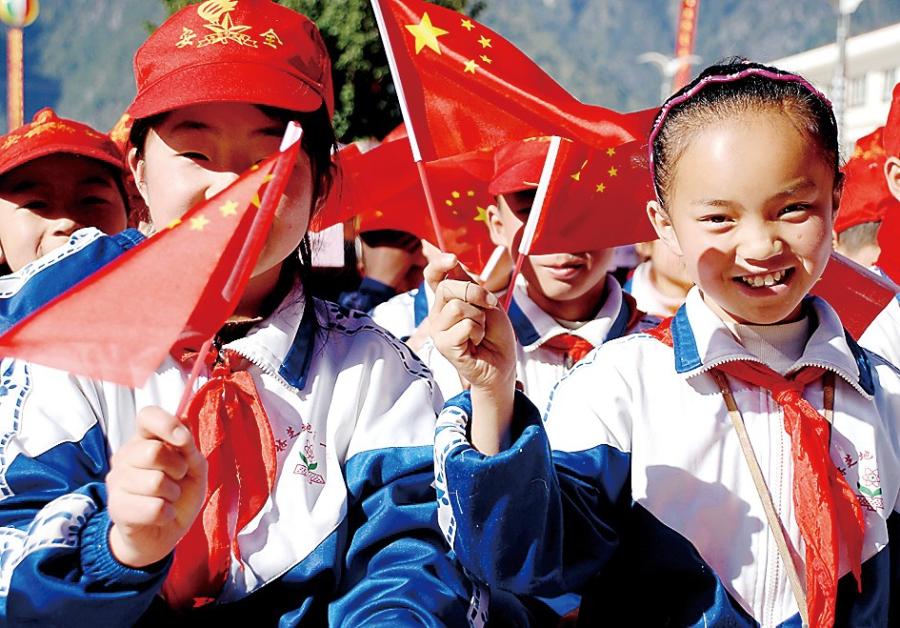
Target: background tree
x=365, y=101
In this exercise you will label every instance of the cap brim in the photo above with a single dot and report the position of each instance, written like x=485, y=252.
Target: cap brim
x=253, y=83
x=67, y=149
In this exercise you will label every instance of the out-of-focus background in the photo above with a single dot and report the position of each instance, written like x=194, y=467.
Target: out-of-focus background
x=78, y=53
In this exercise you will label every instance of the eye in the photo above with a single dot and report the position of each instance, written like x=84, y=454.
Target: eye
x=796, y=207
x=194, y=156
x=35, y=205
x=95, y=200
x=716, y=219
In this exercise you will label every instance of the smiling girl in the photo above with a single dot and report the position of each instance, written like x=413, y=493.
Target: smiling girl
x=740, y=464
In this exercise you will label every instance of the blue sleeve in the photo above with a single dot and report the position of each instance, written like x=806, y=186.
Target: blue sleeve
x=39, y=282
x=398, y=571
x=55, y=561
x=525, y=520
x=894, y=545
x=370, y=294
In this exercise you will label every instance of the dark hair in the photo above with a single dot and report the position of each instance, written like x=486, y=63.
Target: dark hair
x=318, y=142
x=853, y=239
x=736, y=86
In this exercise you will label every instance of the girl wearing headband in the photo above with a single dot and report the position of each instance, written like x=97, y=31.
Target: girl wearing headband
x=740, y=464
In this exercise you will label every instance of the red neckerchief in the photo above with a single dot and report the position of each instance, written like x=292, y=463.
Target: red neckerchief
x=828, y=512
x=577, y=347
x=233, y=433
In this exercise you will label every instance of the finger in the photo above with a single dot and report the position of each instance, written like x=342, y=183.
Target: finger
x=154, y=422
x=138, y=510
x=444, y=266
x=465, y=291
x=153, y=454
x=459, y=339
x=454, y=312
x=147, y=483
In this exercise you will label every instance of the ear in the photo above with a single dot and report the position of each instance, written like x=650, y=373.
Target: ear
x=892, y=174
x=662, y=224
x=836, y=195
x=495, y=225
x=137, y=165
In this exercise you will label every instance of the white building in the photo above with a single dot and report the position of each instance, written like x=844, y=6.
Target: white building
x=873, y=68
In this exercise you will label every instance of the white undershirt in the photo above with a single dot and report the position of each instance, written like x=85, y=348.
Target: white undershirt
x=778, y=346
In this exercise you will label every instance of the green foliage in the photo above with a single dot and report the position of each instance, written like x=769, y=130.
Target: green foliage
x=365, y=101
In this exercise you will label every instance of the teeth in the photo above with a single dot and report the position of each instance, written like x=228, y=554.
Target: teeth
x=769, y=279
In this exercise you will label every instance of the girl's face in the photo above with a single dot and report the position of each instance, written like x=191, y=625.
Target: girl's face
x=197, y=151
x=750, y=214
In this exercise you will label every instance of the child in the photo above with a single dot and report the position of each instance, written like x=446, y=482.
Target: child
x=564, y=304
x=865, y=203
x=106, y=498
x=56, y=176
x=658, y=284
x=741, y=462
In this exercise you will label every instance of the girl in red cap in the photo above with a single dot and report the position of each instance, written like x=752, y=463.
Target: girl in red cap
x=113, y=515
x=738, y=465
x=56, y=177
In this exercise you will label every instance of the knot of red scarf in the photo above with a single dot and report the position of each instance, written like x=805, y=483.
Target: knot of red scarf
x=573, y=346
x=233, y=433
x=828, y=511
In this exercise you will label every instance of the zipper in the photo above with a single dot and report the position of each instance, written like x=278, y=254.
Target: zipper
x=265, y=368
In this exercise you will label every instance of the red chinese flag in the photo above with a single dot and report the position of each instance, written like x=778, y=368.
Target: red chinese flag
x=178, y=287
x=463, y=87
x=595, y=198
x=856, y=293
x=382, y=187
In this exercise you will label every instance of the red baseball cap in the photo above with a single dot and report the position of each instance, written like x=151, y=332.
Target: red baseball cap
x=252, y=51
x=866, y=197
x=518, y=165
x=892, y=126
x=48, y=134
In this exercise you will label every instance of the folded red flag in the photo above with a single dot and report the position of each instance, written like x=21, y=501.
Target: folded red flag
x=855, y=292
x=463, y=87
x=178, y=287
x=590, y=198
x=382, y=187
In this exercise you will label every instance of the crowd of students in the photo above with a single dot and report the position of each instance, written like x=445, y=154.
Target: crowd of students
x=706, y=445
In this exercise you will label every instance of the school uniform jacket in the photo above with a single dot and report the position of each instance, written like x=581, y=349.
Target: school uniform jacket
x=634, y=490
x=538, y=367
x=348, y=535
x=883, y=334
x=402, y=314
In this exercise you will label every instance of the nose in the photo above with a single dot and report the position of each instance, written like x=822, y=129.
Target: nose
x=218, y=181
x=66, y=226
x=759, y=241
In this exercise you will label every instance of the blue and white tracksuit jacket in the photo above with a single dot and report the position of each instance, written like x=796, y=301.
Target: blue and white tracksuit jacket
x=349, y=535
x=634, y=490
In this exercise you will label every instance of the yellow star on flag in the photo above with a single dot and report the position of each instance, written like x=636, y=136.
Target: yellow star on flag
x=601, y=187
x=613, y=172
x=485, y=42
x=576, y=176
x=174, y=223
x=199, y=222
x=471, y=66
x=482, y=214
x=426, y=34
x=467, y=24
x=610, y=151
x=486, y=59
x=229, y=208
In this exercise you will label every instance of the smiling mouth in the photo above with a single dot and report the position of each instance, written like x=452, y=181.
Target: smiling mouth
x=766, y=280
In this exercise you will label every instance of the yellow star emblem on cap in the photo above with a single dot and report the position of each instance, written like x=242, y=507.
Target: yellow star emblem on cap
x=229, y=208
x=199, y=222
x=426, y=34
